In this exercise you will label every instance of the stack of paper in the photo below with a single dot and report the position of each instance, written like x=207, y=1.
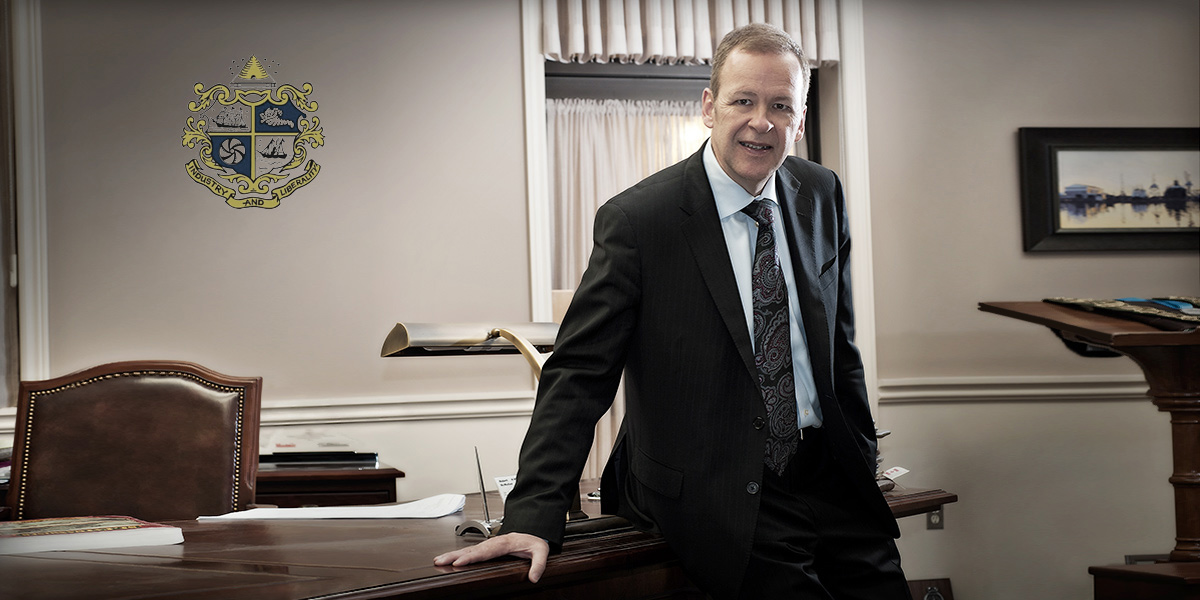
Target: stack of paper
x=428, y=508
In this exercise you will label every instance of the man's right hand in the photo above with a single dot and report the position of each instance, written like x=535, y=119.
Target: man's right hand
x=521, y=545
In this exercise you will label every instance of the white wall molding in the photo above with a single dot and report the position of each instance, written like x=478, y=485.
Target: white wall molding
x=536, y=162
x=8, y=424
x=912, y=390
x=32, y=278
x=1065, y=388
x=415, y=407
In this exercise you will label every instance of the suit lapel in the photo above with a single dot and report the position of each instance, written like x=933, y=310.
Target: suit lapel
x=800, y=225
x=702, y=230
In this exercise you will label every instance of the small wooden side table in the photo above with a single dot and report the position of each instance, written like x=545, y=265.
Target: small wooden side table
x=1160, y=581
x=291, y=485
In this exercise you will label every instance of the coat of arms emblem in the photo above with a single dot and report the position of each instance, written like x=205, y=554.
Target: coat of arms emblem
x=251, y=136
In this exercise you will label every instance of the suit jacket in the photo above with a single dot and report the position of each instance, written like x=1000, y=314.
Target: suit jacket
x=659, y=301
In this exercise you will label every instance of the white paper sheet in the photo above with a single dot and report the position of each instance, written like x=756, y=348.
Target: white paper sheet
x=427, y=508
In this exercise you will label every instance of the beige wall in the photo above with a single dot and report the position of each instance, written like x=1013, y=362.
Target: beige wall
x=421, y=170
x=949, y=83
x=1049, y=481
x=418, y=214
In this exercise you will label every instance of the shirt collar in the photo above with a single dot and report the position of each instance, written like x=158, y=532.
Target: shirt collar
x=731, y=198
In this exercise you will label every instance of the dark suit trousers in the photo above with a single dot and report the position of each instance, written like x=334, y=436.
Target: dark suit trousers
x=814, y=541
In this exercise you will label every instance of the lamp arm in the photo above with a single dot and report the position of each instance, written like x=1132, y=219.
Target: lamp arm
x=535, y=358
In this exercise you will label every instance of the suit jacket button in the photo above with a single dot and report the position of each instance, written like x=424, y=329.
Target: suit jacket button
x=752, y=488
x=759, y=422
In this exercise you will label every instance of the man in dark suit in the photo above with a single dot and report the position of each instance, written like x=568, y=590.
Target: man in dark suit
x=720, y=286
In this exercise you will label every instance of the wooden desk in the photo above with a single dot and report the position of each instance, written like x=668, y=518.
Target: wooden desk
x=363, y=558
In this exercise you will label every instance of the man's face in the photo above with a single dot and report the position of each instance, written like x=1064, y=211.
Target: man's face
x=757, y=117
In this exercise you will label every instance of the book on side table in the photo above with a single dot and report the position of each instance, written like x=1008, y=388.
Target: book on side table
x=83, y=533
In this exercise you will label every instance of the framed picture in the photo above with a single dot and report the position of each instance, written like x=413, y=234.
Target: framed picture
x=1110, y=188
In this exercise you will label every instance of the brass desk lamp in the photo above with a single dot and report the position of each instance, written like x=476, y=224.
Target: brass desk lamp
x=533, y=340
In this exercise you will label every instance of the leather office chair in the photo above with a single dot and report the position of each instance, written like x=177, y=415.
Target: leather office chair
x=154, y=440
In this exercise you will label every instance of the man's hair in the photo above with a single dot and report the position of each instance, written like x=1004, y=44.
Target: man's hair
x=759, y=38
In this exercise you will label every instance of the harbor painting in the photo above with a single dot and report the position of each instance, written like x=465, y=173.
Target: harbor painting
x=1110, y=188
x=1128, y=189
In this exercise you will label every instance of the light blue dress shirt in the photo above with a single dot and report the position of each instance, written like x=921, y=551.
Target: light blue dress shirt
x=741, y=236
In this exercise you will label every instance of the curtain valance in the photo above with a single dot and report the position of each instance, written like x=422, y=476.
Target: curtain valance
x=678, y=31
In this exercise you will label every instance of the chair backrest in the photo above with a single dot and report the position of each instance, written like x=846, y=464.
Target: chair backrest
x=154, y=440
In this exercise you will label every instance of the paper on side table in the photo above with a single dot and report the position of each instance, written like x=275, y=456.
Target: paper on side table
x=427, y=508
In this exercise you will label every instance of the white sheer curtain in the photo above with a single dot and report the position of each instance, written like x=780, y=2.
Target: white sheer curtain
x=596, y=149
x=678, y=31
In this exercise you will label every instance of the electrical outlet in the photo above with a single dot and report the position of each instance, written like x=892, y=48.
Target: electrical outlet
x=934, y=519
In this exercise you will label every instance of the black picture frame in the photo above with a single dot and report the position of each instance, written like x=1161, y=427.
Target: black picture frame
x=1040, y=197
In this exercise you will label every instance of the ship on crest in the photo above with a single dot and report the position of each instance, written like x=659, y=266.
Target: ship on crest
x=274, y=149
x=230, y=117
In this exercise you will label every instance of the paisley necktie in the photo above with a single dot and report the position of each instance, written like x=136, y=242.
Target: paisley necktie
x=772, y=341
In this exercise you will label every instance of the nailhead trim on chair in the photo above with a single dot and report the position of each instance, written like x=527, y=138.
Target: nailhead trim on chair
x=33, y=396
